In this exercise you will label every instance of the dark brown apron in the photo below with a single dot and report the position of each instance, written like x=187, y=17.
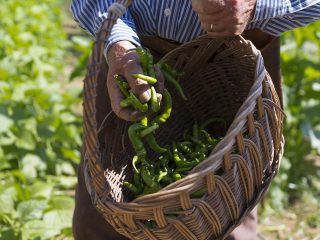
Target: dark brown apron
x=88, y=224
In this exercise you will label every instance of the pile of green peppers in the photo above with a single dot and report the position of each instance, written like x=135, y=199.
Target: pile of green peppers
x=175, y=161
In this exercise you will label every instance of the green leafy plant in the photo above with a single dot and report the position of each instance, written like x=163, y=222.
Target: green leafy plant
x=298, y=178
x=39, y=130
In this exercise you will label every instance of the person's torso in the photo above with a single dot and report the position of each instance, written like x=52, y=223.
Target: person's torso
x=170, y=19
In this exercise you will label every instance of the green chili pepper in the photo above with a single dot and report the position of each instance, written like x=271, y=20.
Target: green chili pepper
x=179, y=159
x=131, y=187
x=212, y=120
x=165, y=114
x=147, y=133
x=152, y=189
x=185, y=135
x=164, y=161
x=169, y=69
x=177, y=176
x=184, y=147
x=155, y=105
x=191, y=164
x=186, y=143
x=125, y=85
x=135, y=139
x=150, y=80
x=137, y=180
x=166, y=180
x=135, y=161
x=133, y=101
x=151, y=140
x=137, y=104
x=176, y=157
x=146, y=177
x=175, y=83
x=144, y=121
x=182, y=157
x=162, y=174
x=183, y=169
x=197, y=142
x=201, y=156
x=169, y=153
x=143, y=57
x=151, y=71
x=208, y=137
x=149, y=130
x=120, y=82
x=126, y=103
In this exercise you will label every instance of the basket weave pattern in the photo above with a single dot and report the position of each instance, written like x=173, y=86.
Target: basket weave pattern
x=222, y=78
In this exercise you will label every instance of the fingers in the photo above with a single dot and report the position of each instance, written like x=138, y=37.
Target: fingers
x=220, y=30
x=129, y=115
x=116, y=97
x=131, y=65
x=126, y=68
x=224, y=18
x=159, y=97
x=208, y=6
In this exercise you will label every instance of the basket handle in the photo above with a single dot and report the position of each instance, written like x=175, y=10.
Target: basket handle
x=94, y=173
x=115, y=11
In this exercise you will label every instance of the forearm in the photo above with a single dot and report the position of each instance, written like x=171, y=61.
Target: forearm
x=91, y=14
x=281, y=16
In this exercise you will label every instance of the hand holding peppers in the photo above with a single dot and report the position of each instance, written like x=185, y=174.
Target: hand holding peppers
x=174, y=161
x=126, y=63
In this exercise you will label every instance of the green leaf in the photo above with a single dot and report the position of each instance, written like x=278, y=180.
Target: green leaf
x=72, y=154
x=32, y=209
x=3, y=160
x=64, y=181
x=41, y=189
x=67, y=169
x=38, y=229
x=67, y=117
x=25, y=140
x=58, y=219
x=7, y=139
x=309, y=131
x=8, y=234
x=6, y=123
x=62, y=203
x=81, y=43
x=7, y=198
x=31, y=164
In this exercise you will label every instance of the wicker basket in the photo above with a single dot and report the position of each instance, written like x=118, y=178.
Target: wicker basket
x=222, y=78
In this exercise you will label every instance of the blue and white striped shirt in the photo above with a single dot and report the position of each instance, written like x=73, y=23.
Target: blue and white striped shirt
x=176, y=20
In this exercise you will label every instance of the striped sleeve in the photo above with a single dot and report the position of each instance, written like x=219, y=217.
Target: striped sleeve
x=282, y=16
x=90, y=14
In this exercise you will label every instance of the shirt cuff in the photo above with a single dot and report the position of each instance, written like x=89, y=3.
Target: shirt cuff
x=122, y=31
x=266, y=10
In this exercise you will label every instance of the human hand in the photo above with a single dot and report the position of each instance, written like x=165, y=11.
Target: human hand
x=224, y=18
x=126, y=63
